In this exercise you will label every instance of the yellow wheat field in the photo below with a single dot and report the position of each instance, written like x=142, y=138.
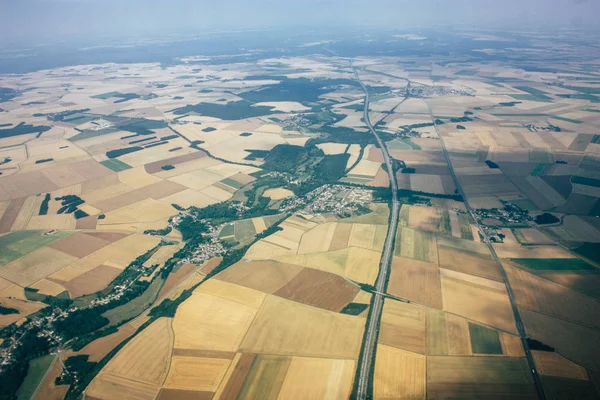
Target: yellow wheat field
x=288, y=328
x=329, y=379
x=208, y=322
x=146, y=357
x=196, y=373
x=399, y=374
x=104, y=387
x=118, y=255
x=355, y=263
x=317, y=239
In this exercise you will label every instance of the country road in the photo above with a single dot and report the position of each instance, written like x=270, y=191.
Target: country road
x=363, y=376
x=519, y=323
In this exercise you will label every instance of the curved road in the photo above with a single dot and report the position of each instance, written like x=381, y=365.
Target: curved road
x=368, y=350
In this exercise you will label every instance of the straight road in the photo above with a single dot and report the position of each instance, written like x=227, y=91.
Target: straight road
x=368, y=350
x=518, y=321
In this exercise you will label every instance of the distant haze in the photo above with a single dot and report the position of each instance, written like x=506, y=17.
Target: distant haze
x=23, y=19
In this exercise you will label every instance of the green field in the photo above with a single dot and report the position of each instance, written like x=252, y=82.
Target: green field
x=227, y=230
x=354, y=308
x=588, y=250
x=531, y=97
x=519, y=236
x=35, y=374
x=525, y=204
x=466, y=72
x=115, y=165
x=379, y=217
x=402, y=144
x=232, y=183
x=244, y=230
x=465, y=227
x=444, y=225
x=484, y=340
x=574, y=121
x=271, y=219
x=136, y=306
x=265, y=378
x=413, y=243
x=531, y=90
x=582, y=180
x=538, y=170
x=437, y=78
x=404, y=216
x=554, y=264
x=18, y=244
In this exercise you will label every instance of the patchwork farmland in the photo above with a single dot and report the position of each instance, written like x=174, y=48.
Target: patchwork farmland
x=214, y=228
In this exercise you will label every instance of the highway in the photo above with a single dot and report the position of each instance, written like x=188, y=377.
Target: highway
x=519, y=323
x=370, y=337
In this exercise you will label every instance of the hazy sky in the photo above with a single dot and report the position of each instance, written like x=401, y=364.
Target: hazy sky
x=49, y=18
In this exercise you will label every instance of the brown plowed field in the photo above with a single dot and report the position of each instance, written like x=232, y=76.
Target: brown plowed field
x=10, y=214
x=403, y=326
x=319, y=289
x=266, y=276
x=416, y=280
x=469, y=263
x=91, y=281
x=233, y=383
x=156, y=166
x=79, y=245
x=549, y=298
x=178, y=394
